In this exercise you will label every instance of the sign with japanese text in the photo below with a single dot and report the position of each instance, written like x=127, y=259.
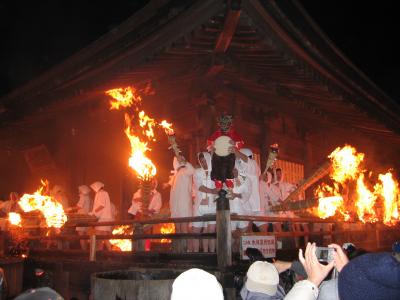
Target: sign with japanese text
x=265, y=243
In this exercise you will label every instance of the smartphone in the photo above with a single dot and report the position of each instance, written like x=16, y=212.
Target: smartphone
x=324, y=254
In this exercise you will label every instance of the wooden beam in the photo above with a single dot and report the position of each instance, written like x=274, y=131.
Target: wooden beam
x=225, y=37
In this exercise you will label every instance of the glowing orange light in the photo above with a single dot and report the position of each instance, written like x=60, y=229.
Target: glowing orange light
x=123, y=97
x=14, y=219
x=142, y=165
x=167, y=228
x=123, y=245
x=52, y=210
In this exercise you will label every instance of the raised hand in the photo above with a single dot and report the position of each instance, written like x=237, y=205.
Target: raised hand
x=316, y=271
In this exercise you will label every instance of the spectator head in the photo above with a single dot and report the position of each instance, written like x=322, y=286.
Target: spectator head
x=370, y=276
x=262, y=277
x=196, y=284
x=39, y=294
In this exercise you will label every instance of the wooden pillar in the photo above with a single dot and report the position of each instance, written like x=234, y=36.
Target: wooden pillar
x=139, y=244
x=61, y=281
x=92, y=241
x=224, y=233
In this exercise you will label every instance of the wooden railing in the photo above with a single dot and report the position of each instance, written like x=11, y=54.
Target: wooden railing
x=223, y=233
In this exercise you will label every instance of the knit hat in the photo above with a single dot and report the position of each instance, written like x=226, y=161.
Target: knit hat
x=39, y=294
x=262, y=277
x=370, y=276
x=196, y=284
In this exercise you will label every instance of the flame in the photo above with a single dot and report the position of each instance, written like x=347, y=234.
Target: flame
x=167, y=127
x=365, y=202
x=138, y=161
x=330, y=201
x=14, y=219
x=52, y=210
x=388, y=189
x=345, y=163
x=146, y=121
x=123, y=97
x=123, y=245
x=328, y=206
x=167, y=228
x=346, y=166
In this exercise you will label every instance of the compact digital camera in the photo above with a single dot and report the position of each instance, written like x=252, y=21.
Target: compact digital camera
x=324, y=254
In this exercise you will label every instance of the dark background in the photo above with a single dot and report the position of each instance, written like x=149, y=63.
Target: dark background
x=37, y=35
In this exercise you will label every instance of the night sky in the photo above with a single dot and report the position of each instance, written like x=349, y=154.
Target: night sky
x=37, y=35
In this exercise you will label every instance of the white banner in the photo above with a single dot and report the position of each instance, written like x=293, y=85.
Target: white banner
x=265, y=243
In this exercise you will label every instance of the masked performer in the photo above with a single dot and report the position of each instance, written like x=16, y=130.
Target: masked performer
x=225, y=144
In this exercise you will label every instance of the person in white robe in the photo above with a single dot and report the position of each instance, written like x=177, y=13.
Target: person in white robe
x=239, y=201
x=286, y=189
x=84, y=206
x=270, y=196
x=181, y=203
x=204, y=204
x=252, y=170
x=102, y=209
x=155, y=202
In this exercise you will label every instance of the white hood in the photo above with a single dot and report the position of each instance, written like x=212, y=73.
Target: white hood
x=241, y=167
x=84, y=189
x=96, y=186
x=177, y=164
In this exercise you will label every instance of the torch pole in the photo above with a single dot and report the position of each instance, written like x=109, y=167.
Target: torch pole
x=145, y=185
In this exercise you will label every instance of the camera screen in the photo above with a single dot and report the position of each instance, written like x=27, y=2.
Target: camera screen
x=324, y=255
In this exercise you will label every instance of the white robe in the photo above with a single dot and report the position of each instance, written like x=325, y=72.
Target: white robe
x=154, y=204
x=270, y=196
x=103, y=199
x=241, y=206
x=180, y=201
x=253, y=172
x=201, y=178
x=84, y=205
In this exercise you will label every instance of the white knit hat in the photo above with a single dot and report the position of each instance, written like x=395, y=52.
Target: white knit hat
x=262, y=277
x=196, y=284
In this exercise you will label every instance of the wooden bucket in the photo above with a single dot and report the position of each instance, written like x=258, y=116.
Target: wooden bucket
x=155, y=284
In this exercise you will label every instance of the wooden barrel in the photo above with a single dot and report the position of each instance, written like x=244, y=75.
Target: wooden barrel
x=155, y=284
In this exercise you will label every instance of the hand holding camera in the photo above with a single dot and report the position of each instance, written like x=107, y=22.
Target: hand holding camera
x=316, y=271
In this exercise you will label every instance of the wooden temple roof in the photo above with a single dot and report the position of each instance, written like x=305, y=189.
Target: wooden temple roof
x=268, y=51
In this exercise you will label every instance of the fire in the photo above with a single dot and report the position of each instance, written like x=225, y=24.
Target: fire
x=346, y=167
x=52, y=210
x=167, y=228
x=146, y=121
x=330, y=201
x=123, y=97
x=123, y=245
x=328, y=205
x=388, y=189
x=365, y=202
x=167, y=127
x=14, y=219
x=138, y=161
x=345, y=163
